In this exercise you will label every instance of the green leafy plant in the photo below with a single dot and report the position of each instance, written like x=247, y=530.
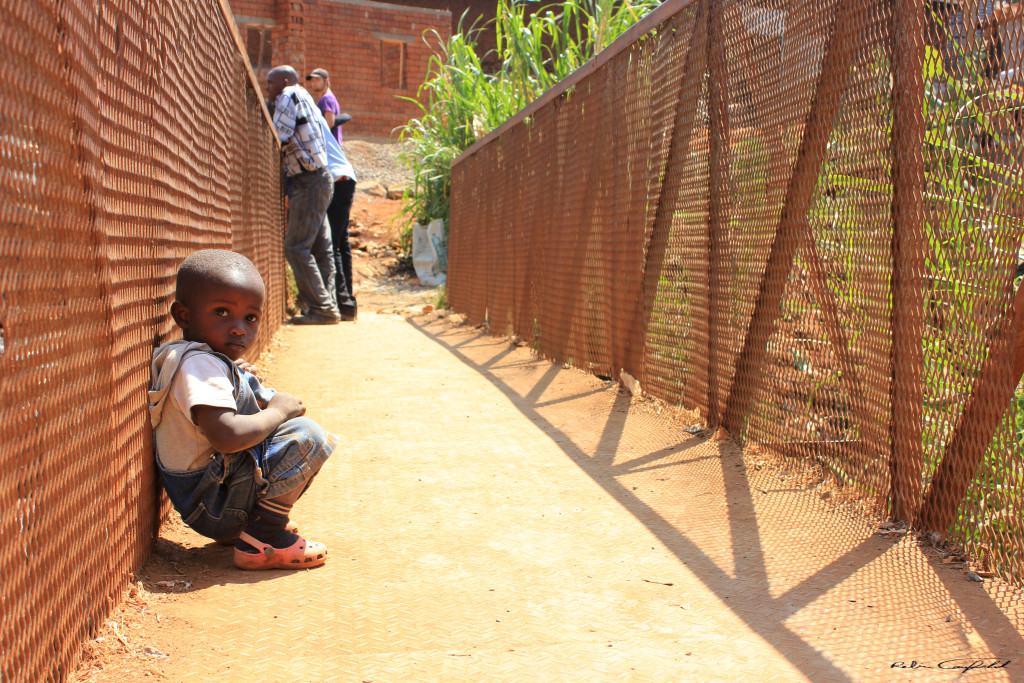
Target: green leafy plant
x=461, y=101
x=972, y=184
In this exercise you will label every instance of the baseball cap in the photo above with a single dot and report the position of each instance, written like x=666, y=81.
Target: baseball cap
x=322, y=73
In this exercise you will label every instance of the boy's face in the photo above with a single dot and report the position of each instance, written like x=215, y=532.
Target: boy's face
x=226, y=315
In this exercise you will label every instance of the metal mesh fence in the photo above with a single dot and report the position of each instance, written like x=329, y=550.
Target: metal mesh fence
x=801, y=218
x=131, y=134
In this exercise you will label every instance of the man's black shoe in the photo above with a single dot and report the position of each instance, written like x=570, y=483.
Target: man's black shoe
x=314, y=319
x=348, y=314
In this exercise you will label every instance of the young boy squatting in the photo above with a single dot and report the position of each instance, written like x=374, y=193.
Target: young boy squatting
x=233, y=455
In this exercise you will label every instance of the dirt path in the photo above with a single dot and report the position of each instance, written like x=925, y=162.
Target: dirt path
x=378, y=287
x=493, y=517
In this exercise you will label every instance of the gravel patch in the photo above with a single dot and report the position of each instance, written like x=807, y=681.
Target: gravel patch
x=377, y=162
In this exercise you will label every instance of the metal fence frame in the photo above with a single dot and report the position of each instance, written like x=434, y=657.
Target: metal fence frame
x=132, y=132
x=596, y=224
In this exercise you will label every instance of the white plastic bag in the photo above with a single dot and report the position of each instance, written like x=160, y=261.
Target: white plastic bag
x=430, y=252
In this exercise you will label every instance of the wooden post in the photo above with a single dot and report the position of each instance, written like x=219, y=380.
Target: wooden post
x=907, y=403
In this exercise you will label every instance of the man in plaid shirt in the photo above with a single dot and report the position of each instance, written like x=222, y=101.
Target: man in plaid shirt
x=307, y=241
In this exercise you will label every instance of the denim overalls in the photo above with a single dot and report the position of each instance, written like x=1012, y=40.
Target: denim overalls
x=216, y=501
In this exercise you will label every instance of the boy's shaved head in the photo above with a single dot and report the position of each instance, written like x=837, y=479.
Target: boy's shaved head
x=212, y=267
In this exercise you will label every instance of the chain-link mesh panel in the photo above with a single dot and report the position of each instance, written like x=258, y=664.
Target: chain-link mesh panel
x=130, y=136
x=801, y=218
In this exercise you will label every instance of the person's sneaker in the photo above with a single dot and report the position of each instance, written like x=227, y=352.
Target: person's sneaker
x=314, y=319
x=348, y=313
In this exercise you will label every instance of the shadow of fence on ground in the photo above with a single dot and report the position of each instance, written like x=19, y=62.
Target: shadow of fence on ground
x=816, y=583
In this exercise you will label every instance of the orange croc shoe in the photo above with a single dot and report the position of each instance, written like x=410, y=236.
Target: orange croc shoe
x=302, y=554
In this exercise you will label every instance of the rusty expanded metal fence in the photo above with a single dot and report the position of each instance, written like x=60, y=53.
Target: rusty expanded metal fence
x=131, y=134
x=800, y=217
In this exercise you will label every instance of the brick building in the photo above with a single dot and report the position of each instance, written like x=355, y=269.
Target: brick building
x=374, y=51
x=481, y=12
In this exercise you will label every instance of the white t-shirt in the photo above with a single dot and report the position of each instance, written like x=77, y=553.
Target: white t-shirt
x=202, y=380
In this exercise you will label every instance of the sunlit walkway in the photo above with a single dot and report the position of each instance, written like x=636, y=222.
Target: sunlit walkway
x=491, y=517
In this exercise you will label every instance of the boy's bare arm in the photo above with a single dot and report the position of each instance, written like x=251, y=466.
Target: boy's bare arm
x=230, y=432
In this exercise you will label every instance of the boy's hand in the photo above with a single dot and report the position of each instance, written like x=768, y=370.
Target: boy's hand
x=248, y=367
x=288, y=405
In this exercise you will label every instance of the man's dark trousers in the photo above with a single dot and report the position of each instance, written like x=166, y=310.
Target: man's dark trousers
x=307, y=241
x=338, y=215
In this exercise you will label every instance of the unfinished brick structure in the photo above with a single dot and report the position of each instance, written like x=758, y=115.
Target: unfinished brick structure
x=374, y=51
x=479, y=13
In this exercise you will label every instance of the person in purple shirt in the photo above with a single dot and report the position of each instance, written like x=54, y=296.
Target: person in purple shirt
x=318, y=84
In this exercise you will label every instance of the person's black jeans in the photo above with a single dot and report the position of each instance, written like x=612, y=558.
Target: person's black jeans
x=338, y=215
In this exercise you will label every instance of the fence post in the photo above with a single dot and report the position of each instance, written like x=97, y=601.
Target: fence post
x=718, y=200
x=907, y=403
x=821, y=118
x=666, y=197
x=993, y=391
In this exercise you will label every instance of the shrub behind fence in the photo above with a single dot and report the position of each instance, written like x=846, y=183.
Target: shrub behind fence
x=131, y=134
x=801, y=218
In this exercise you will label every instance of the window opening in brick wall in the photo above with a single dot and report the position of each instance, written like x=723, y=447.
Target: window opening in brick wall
x=259, y=48
x=392, y=64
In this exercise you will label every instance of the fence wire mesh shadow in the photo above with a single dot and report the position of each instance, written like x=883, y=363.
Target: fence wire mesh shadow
x=129, y=138
x=802, y=220
x=812, y=579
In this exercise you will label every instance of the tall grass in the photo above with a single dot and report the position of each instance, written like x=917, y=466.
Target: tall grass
x=461, y=102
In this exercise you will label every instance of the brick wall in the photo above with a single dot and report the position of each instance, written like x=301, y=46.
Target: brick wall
x=373, y=51
x=482, y=12
x=254, y=8
x=351, y=40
